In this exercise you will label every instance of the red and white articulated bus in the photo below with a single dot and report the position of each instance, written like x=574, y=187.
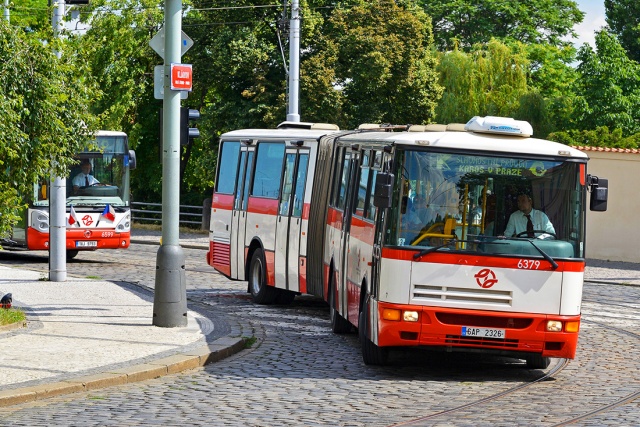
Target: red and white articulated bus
x=416, y=236
x=98, y=213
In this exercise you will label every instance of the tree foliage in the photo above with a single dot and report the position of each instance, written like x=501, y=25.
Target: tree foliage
x=463, y=24
x=488, y=81
x=623, y=18
x=31, y=15
x=44, y=115
x=379, y=58
x=608, y=90
x=598, y=137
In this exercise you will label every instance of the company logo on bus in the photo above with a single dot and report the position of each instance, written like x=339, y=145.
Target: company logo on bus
x=486, y=278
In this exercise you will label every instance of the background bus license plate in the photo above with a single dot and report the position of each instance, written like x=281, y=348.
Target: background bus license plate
x=468, y=331
x=86, y=244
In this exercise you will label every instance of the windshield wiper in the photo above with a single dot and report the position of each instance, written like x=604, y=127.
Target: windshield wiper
x=435, y=248
x=543, y=253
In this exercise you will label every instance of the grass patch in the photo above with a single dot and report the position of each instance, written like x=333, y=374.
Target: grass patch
x=12, y=315
x=94, y=277
x=249, y=341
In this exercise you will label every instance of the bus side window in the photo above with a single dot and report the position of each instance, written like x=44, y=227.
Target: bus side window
x=363, y=181
x=337, y=173
x=268, y=170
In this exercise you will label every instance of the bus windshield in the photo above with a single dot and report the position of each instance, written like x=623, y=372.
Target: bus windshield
x=488, y=204
x=100, y=177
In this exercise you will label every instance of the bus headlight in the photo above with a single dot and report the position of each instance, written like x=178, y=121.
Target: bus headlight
x=40, y=221
x=410, y=316
x=124, y=224
x=554, y=326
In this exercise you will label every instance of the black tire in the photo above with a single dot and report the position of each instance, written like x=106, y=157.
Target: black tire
x=371, y=353
x=284, y=297
x=339, y=325
x=71, y=255
x=536, y=361
x=261, y=292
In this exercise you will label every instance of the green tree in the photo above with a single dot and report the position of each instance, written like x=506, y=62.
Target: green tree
x=488, y=81
x=30, y=15
x=44, y=118
x=608, y=89
x=462, y=24
x=623, y=18
x=376, y=60
x=598, y=137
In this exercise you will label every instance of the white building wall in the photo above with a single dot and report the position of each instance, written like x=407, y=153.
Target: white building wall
x=614, y=235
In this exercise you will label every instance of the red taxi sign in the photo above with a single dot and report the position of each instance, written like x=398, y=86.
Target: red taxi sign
x=181, y=77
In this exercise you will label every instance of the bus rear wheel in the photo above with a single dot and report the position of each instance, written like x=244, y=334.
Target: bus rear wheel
x=260, y=291
x=339, y=325
x=371, y=353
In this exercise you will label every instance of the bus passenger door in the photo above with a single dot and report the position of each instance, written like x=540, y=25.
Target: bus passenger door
x=239, y=216
x=289, y=222
x=346, y=251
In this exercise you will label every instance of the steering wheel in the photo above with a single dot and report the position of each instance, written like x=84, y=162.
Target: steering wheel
x=523, y=233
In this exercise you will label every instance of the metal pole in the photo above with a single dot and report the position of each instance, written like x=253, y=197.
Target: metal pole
x=170, y=296
x=58, y=193
x=6, y=11
x=294, y=62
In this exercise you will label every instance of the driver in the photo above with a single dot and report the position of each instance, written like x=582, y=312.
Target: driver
x=528, y=222
x=84, y=178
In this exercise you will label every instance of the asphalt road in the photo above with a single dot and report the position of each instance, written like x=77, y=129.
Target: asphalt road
x=300, y=374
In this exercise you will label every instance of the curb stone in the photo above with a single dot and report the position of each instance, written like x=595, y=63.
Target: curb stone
x=212, y=352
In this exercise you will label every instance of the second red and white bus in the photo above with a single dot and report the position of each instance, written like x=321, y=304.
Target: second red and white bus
x=400, y=230
x=98, y=216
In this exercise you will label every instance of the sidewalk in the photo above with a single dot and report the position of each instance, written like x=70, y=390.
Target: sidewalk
x=87, y=334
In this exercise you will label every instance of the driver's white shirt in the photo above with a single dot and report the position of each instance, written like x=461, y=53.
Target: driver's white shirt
x=80, y=181
x=518, y=223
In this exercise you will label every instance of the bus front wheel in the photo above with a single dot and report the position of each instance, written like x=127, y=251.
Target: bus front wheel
x=371, y=353
x=536, y=361
x=260, y=291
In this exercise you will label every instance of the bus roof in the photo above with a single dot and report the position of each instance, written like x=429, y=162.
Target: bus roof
x=293, y=133
x=110, y=133
x=470, y=141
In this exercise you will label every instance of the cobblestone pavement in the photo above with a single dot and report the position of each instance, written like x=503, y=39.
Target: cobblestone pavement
x=300, y=374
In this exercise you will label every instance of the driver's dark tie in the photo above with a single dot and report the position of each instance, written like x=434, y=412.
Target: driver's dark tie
x=86, y=184
x=529, y=227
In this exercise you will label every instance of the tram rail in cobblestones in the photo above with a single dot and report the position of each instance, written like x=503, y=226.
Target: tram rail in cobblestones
x=558, y=367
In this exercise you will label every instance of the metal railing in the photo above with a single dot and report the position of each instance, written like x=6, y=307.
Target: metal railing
x=189, y=216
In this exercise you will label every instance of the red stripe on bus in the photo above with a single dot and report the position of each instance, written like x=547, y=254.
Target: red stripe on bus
x=362, y=230
x=302, y=268
x=334, y=218
x=222, y=201
x=484, y=261
x=270, y=259
x=263, y=206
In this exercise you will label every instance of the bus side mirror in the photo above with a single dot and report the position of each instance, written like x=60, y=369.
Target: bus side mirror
x=132, y=160
x=383, y=190
x=599, y=193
